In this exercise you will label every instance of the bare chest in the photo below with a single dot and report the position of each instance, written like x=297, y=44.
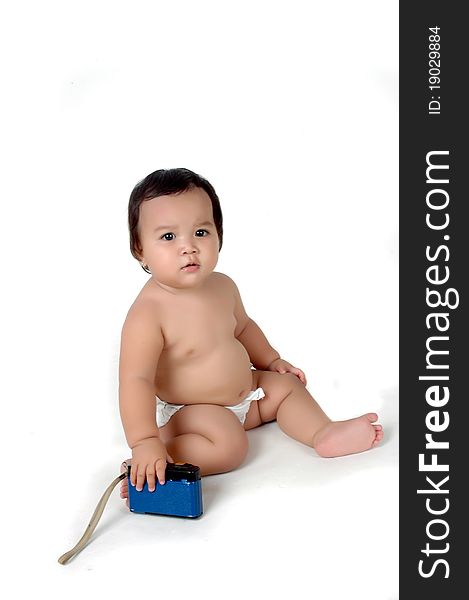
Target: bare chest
x=194, y=328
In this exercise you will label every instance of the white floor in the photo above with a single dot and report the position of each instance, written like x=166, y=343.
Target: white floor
x=287, y=523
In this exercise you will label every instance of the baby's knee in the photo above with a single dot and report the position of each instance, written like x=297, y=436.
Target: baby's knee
x=289, y=382
x=232, y=450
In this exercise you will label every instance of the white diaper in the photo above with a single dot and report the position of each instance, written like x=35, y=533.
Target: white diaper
x=165, y=410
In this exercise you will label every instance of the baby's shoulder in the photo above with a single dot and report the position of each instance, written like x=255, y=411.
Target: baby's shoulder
x=222, y=281
x=145, y=309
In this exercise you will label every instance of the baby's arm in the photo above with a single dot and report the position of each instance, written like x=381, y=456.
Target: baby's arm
x=141, y=346
x=261, y=353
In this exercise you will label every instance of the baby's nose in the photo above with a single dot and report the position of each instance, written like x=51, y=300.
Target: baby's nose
x=188, y=249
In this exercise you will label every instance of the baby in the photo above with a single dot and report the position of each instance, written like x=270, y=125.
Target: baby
x=196, y=372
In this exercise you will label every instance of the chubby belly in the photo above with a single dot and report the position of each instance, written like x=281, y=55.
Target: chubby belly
x=219, y=375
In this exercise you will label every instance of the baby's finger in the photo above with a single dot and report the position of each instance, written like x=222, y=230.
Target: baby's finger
x=299, y=373
x=302, y=376
x=133, y=474
x=140, y=478
x=160, y=470
x=151, y=478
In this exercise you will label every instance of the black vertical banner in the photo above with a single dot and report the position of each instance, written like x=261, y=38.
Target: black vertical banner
x=434, y=254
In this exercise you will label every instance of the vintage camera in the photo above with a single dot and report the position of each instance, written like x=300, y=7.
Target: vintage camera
x=180, y=496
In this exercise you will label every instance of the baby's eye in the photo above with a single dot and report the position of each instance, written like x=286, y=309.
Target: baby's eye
x=201, y=232
x=168, y=237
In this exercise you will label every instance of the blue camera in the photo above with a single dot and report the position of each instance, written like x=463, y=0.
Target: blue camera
x=180, y=496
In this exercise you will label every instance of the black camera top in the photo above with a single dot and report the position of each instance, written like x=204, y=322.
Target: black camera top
x=178, y=472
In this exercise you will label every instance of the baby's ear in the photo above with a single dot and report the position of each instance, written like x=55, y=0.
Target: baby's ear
x=141, y=260
x=138, y=253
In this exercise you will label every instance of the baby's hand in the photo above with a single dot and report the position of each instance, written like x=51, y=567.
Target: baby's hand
x=148, y=458
x=282, y=366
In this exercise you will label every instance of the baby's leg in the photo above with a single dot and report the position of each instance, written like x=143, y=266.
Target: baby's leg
x=301, y=417
x=206, y=435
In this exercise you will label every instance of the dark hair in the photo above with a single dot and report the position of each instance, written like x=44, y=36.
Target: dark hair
x=162, y=183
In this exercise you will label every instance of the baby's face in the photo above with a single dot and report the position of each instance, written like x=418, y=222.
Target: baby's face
x=179, y=238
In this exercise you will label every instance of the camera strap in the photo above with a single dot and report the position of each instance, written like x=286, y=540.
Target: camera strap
x=94, y=521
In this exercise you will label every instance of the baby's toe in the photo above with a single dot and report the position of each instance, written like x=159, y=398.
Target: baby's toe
x=124, y=490
x=379, y=436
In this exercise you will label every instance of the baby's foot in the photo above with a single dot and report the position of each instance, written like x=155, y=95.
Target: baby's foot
x=124, y=484
x=339, y=438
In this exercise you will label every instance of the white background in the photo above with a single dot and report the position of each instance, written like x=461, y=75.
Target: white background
x=290, y=110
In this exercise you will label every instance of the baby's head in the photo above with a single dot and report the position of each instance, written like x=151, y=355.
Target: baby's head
x=169, y=183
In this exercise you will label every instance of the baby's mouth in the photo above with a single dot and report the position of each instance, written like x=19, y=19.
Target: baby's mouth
x=191, y=266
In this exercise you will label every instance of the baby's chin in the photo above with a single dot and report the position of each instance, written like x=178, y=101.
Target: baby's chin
x=185, y=280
